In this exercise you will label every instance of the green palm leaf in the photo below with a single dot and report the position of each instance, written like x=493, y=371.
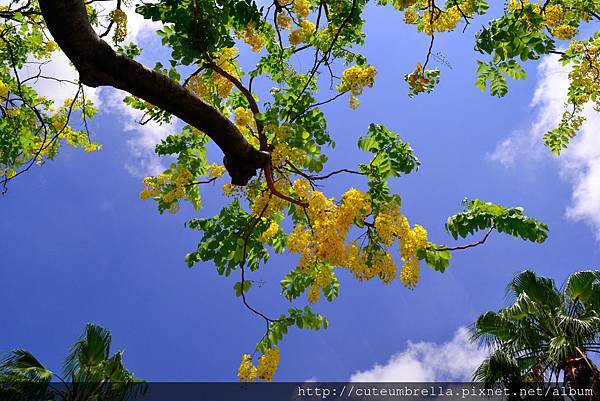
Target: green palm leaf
x=580, y=285
x=90, y=351
x=22, y=364
x=541, y=290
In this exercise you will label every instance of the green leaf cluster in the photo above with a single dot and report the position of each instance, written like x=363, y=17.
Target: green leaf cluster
x=479, y=215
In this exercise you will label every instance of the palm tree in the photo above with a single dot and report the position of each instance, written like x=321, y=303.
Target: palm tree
x=545, y=335
x=89, y=373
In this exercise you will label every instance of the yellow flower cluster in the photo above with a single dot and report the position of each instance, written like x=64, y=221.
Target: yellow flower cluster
x=386, y=226
x=247, y=371
x=4, y=89
x=322, y=276
x=417, y=81
x=278, y=132
x=584, y=82
x=410, y=242
x=283, y=20
x=301, y=8
x=8, y=173
x=564, y=32
x=516, y=5
x=299, y=35
x=411, y=16
x=441, y=21
x=233, y=190
x=267, y=366
x=391, y=225
x=285, y=153
x=215, y=170
x=13, y=112
x=252, y=37
x=224, y=58
x=171, y=187
x=323, y=244
x=119, y=17
x=266, y=204
x=270, y=232
x=244, y=118
x=355, y=79
x=205, y=84
x=59, y=122
x=200, y=86
x=554, y=15
x=50, y=46
x=402, y=4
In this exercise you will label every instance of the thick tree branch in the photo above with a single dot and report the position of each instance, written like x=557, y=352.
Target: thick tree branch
x=99, y=65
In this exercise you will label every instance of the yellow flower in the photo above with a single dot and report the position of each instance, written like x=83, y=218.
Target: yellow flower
x=13, y=112
x=252, y=37
x=284, y=153
x=283, y=20
x=355, y=79
x=314, y=293
x=244, y=118
x=247, y=372
x=554, y=15
x=270, y=232
x=299, y=35
x=228, y=188
x=267, y=364
x=299, y=240
x=119, y=17
x=564, y=32
x=301, y=8
x=51, y=46
x=4, y=89
x=215, y=170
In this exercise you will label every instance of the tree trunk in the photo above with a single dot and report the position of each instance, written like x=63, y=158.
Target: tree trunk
x=582, y=375
x=99, y=65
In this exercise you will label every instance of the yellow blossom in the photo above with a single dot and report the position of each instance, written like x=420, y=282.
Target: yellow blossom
x=564, y=32
x=4, y=89
x=283, y=20
x=244, y=118
x=252, y=37
x=215, y=170
x=247, y=372
x=119, y=17
x=301, y=8
x=299, y=35
x=355, y=79
x=553, y=15
x=271, y=231
x=268, y=363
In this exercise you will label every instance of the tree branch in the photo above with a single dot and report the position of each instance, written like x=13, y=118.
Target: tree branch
x=99, y=65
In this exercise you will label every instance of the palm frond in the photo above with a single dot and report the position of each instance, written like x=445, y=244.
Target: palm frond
x=89, y=351
x=21, y=363
x=580, y=284
x=541, y=290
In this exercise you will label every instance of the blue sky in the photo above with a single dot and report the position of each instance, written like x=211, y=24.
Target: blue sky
x=79, y=246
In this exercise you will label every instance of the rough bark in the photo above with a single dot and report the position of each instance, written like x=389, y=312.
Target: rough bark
x=99, y=65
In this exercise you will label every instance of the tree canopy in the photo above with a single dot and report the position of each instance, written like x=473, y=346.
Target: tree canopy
x=546, y=335
x=276, y=144
x=89, y=373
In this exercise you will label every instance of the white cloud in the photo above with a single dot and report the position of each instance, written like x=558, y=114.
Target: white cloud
x=580, y=163
x=143, y=137
x=455, y=360
x=60, y=69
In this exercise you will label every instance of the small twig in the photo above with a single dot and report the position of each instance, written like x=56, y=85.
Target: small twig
x=461, y=247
